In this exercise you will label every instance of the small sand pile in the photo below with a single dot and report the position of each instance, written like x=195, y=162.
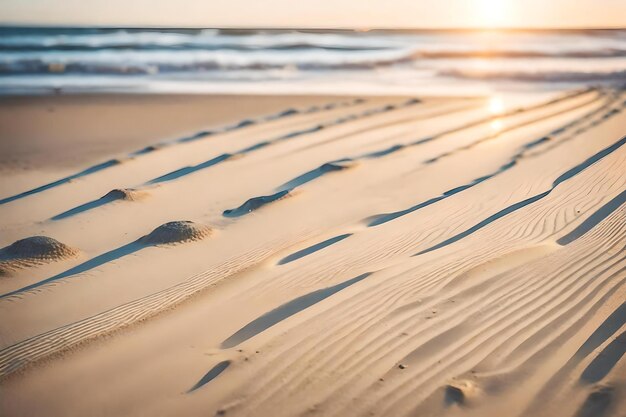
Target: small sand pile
x=256, y=203
x=177, y=232
x=128, y=194
x=459, y=392
x=337, y=166
x=288, y=112
x=148, y=149
x=33, y=251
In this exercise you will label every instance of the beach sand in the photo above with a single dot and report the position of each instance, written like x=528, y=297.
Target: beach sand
x=313, y=255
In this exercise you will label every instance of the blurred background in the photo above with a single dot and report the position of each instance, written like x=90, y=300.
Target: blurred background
x=470, y=61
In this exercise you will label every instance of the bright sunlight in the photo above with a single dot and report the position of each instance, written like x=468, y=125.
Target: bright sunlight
x=492, y=13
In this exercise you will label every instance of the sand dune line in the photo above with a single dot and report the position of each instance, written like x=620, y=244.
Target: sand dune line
x=282, y=138
x=286, y=382
x=514, y=207
x=260, y=145
x=54, y=341
x=420, y=238
x=518, y=315
x=286, y=310
x=289, y=383
x=317, y=347
x=513, y=161
x=416, y=392
x=555, y=385
x=225, y=157
x=340, y=164
x=193, y=137
x=489, y=296
x=452, y=315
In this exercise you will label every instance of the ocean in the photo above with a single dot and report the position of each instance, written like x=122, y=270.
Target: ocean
x=54, y=60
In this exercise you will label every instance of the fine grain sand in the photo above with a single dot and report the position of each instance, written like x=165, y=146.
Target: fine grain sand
x=313, y=256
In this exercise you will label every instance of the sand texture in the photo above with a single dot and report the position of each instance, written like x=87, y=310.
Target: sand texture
x=314, y=256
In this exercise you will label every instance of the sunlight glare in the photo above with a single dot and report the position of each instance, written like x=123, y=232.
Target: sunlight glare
x=497, y=125
x=496, y=105
x=491, y=12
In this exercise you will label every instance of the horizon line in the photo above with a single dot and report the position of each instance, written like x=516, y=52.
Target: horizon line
x=9, y=25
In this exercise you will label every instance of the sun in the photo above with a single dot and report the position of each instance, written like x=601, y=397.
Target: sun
x=491, y=13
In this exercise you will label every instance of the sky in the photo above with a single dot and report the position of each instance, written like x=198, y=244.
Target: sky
x=319, y=13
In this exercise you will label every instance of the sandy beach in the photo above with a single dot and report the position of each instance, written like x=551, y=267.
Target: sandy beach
x=312, y=255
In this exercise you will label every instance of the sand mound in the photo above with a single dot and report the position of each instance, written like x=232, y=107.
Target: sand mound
x=148, y=149
x=128, y=194
x=33, y=251
x=177, y=232
x=288, y=112
x=459, y=392
x=599, y=400
x=39, y=247
x=256, y=203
